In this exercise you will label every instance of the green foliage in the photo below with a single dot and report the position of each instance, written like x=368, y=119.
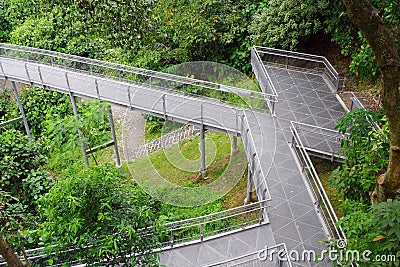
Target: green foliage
x=12, y=14
x=22, y=181
x=20, y=167
x=284, y=23
x=35, y=32
x=41, y=105
x=62, y=131
x=351, y=42
x=173, y=213
x=376, y=229
x=338, y=25
x=366, y=151
x=99, y=211
x=363, y=63
x=8, y=109
x=153, y=124
x=15, y=219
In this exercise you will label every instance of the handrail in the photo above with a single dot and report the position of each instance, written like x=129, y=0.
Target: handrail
x=281, y=258
x=266, y=82
x=318, y=190
x=330, y=72
x=176, y=230
x=355, y=100
x=77, y=62
x=195, y=230
x=252, y=157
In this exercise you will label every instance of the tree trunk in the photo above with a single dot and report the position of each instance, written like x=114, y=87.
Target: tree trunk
x=8, y=254
x=382, y=41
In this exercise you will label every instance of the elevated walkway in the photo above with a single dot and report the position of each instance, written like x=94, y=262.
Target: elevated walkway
x=295, y=86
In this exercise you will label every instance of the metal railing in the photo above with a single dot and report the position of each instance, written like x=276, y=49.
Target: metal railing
x=12, y=121
x=258, y=177
x=143, y=77
x=268, y=257
x=299, y=61
x=214, y=225
x=179, y=232
x=356, y=102
x=321, y=142
x=322, y=201
x=264, y=80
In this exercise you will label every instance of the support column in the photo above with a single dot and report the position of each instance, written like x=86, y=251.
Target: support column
x=75, y=109
x=114, y=137
x=249, y=189
x=234, y=144
x=21, y=109
x=203, y=169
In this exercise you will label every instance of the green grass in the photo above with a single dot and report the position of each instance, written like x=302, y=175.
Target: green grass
x=189, y=158
x=324, y=169
x=187, y=155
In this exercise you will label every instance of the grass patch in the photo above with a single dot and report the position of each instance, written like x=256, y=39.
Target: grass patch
x=324, y=169
x=181, y=164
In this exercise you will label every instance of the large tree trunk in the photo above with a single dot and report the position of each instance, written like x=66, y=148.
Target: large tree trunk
x=9, y=255
x=382, y=41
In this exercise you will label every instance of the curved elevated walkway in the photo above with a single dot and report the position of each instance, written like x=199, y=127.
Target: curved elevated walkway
x=293, y=94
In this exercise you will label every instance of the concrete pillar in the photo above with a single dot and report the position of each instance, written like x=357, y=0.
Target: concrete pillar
x=234, y=144
x=21, y=109
x=75, y=109
x=203, y=169
x=114, y=137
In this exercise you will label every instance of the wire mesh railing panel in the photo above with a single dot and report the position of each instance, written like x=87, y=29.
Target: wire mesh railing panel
x=322, y=201
x=318, y=140
x=216, y=224
x=255, y=167
x=298, y=61
x=233, y=95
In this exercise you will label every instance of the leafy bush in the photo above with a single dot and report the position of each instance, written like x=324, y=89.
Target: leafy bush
x=366, y=151
x=22, y=181
x=99, y=211
x=8, y=109
x=363, y=63
x=62, y=131
x=41, y=105
x=376, y=229
x=21, y=163
x=283, y=23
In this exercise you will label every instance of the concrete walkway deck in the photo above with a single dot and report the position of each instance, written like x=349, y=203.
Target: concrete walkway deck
x=293, y=215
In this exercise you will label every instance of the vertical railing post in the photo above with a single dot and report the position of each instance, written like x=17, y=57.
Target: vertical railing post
x=2, y=70
x=202, y=144
x=96, y=84
x=202, y=230
x=203, y=169
x=249, y=188
x=40, y=76
x=261, y=215
x=164, y=107
x=171, y=237
x=27, y=74
x=21, y=109
x=114, y=137
x=75, y=110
